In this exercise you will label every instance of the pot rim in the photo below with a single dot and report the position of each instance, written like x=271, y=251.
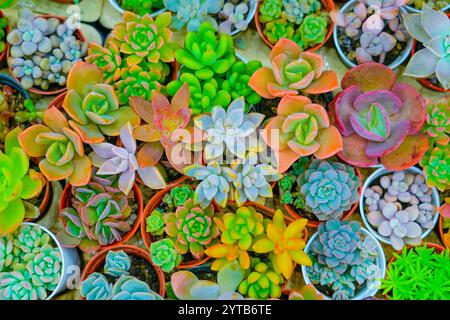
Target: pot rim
x=412, y=9
x=350, y=64
x=382, y=172
x=253, y=6
x=118, y=8
x=364, y=292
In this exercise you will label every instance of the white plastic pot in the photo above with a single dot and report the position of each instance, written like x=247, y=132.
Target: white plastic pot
x=116, y=6
x=253, y=5
x=70, y=261
x=382, y=172
x=366, y=291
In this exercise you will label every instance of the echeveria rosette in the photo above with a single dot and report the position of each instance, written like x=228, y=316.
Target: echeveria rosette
x=228, y=130
x=164, y=254
x=278, y=29
x=313, y=30
x=269, y=10
x=284, y=243
x=155, y=223
x=301, y=128
x=191, y=228
x=145, y=41
x=206, y=52
x=293, y=71
x=437, y=124
x=380, y=120
x=45, y=267
x=28, y=240
x=432, y=29
x=18, y=183
x=18, y=285
x=107, y=58
x=93, y=106
x=111, y=159
x=329, y=189
x=117, y=263
x=62, y=147
x=181, y=194
x=6, y=252
x=436, y=166
x=136, y=82
x=130, y=288
x=96, y=287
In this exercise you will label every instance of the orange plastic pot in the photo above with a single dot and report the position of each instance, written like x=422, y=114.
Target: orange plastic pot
x=328, y=6
x=65, y=202
x=78, y=34
x=441, y=231
x=43, y=207
x=97, y=262
x=7, y=45
x=315, y=224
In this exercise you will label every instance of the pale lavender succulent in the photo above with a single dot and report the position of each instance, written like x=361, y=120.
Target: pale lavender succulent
x=373, y=45
x=399, y=29
x=234, y=16
x=114, y=160
x=352, y=21
x=383, y=10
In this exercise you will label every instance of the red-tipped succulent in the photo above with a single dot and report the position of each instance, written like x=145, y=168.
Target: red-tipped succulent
x=380, y=120
x=293, y=71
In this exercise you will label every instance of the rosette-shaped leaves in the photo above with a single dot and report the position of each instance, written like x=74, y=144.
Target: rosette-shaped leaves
x=380, y=120
x=269, y=10
x=437, y=124
x=164, y=254
x=329, y=189
x=62, y=147
x=278, y=29
x=207, y=53
x=6, y=252
x=108, y=59
x=313, y=30
x=117, y=263
x=436, y=166
x=228, y=130
x=285, y=244
x=293, y=71
x=191, y=228
x=45, y=267
x=113, y=160
x=338, y=244
x=147, y=41
x=96, y=287
x=93, y=106
x=214, y=185
x=301, y=128
x=130, y=288
x=155, y=223
x=28, y=241
x=136, y=82
x=181, y=194
x=18, y=285
x=17, y=184
x=432, y=29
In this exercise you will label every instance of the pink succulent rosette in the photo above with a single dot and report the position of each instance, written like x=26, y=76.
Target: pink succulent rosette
x=293, y=71
x=380, y=120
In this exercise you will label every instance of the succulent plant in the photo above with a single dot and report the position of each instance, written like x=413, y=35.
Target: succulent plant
x=437, y=123
x=313, y=30
x=18, y=183
x=373, y=45
x=284, y=243
x=436, y=164
x=262, y=282
x=62, y=147
x=28, y=240
x=307, y=292
x=435, y=4
x=191, y=228
x=155, y=223
x=329, y=189
x=278, y=29
x=93, y=106
x=107, y=58
x=18, y=285
x=130, y=288
x=228, y=130
x=352, y=20
x=431, y=28
x=270, y=10
x=234, y=16
x=206, y=52
x=187, y=286
x=292, y=71
x=295, y=10
x=301, y=128
x=117, y=263
x=192, y=13
x=141, y=7
x=164, y=254
x=96, y=287
x=112, y=160
x=380, y=120
x=45, y=267
x=6, y=252
x=181, y=194
x=381, y=10
x=214, y=185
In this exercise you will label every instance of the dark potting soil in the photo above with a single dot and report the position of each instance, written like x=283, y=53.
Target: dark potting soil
x=204, y=273
x=349, y=46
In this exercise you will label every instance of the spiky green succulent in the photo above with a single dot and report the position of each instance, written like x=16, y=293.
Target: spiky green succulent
x=107, y=58
x=437, y=123
x=436, y=166
x=164, y=254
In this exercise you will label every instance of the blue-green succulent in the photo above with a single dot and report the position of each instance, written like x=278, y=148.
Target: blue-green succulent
x=6, y=252
x=192, y=13
x=18, y=285
x=130, y=288
x=96, y=287
x=117, y=263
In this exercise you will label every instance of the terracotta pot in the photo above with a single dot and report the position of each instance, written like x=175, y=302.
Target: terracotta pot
x=152, y=205
x=79, y=35
x=437, y=248
x=97, y=262
x=65, y=202
x=7, y=45
x=328, y=5
x=426, y=82
x=314, y=223
x=441, y=231
x=43, y=207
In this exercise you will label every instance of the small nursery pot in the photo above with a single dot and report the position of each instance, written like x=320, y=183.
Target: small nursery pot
x=378, y=174
x=397, y=62
x=97, y=262
x=43, y=206
x=346, y=215
x=365, y=292
x=118, y=8
x=78, y=34
x=412, y=9
x=328, y=6
x=441, y=231
x=253, y=7
x=70, y=260
x=65, y=202
x=7, y=45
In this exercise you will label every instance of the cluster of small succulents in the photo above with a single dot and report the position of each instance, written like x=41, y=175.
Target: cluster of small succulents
x=304, y=21
x=3, y=25
x=98, y=286
x=344, y=259
x=30, y=264
x=401, y=208
x=372, y=30
x=141, y=7
x=435, y=4
x=43, y=51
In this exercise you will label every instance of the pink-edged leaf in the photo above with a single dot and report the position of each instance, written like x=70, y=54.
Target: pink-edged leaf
x=355, y=151
x=343, y=107
x=399, y=131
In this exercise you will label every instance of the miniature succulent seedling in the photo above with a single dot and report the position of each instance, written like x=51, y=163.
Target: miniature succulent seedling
x=234, y=17
x=164, y=254
x=192, y=13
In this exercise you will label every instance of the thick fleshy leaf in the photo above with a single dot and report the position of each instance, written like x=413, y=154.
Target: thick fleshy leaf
x=284, y=265
x=126, y=181
x=303, y=150
x=73, y=106
x=127, y=139
x=407, y=154
x=263, y=246
x=434, y=21
x=330, y=141
x=301, y=257
x=437, y=46
x=285, y=158
x=414, y=107
x=327, y=82
x=181, y=98
x=369, y=76
x=279, y=63
x=354, y=151
x=292, y=104
x=272, y=133
x=422, y=64
x=27, y=140
x=123, y=116
x=83, y=76
x=315, y=60
x=390, y=102
x=413, y=24
x=399, y=131
x=182, y=282
x=374, y=124
x=343, y=107
x=12, y=139
x=11, y=217
x=150, y=154
x=319, y=113
x=260, y=80
x=55, y=173
x=285, y=46
x=443, y=72
x=54, y=119
x=278, y=91
x=88, y=133
x=82, y=169
x=32, y=185
x=152, y=178
x=143, y=108
x=147, y=133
